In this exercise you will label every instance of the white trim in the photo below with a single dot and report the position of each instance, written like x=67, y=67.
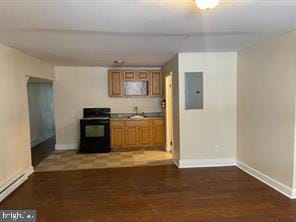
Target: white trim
x=206, y=163
x=66, y=146
x=282, y=188
x=293, y=196
x=13, y=183
x=176, y=162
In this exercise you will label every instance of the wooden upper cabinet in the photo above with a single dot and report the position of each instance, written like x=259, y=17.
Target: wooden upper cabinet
x=115, y=83
x=143, y=75
x=156, y=83
x=118, y=80
x=129, y=75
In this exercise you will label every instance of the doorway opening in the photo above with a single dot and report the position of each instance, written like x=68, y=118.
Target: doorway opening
x=41, y=115
x=169, y=112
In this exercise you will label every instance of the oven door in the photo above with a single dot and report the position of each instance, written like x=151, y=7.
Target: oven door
x=95, y=135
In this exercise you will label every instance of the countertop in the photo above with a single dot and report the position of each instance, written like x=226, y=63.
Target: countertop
x=126, y=116
x=130, y=119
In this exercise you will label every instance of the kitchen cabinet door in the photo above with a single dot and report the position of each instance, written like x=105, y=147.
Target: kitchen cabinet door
x=137, y=133
x=159, y=132
x=156, y=83
x=145, y=133
x=131, y=137
x=131, y=134
x=143, y=75
x=129, y=75
x=115, y=83
x=117, y=134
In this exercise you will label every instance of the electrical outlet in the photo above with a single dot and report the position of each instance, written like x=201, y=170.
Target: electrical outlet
x=217, y=148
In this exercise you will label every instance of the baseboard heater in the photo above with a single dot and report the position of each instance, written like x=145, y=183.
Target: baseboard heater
x=11, y=186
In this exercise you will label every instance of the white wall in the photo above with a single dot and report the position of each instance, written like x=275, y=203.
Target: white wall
x=294, y=168
x=80, y=87
x=15, y=150
x=40, y=96
x=202, y=130
x=172, y=66
x=266, y=107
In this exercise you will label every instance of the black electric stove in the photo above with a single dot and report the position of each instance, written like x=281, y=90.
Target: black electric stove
x=95, y=130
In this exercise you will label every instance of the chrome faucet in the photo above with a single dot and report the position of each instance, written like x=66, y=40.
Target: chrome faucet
x=136, y=110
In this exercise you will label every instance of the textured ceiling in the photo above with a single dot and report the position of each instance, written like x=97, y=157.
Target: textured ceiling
x=141, y=32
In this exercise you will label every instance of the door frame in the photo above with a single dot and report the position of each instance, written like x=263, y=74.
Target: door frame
x=169, y=111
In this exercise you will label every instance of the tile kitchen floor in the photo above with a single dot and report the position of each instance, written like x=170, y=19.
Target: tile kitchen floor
x=70, y=160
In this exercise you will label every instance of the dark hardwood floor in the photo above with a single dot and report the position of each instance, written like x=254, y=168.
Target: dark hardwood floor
x=154, y=194
x=42, y=150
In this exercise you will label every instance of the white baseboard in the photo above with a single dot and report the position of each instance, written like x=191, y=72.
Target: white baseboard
x=66, y=146
x=287, y=191
x=293, y=196
x=206, y=163
x=176, y=162
x=13, y=183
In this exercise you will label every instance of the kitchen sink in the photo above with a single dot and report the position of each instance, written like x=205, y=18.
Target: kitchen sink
x=137, y=117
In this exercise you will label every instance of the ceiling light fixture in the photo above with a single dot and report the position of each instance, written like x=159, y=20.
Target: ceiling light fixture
x=119, y=62
x=206, y=4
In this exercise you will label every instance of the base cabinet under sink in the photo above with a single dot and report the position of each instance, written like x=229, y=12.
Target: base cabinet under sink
x=117, y=133
x=137, y=133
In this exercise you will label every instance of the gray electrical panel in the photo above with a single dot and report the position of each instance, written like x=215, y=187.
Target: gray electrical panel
x=193, y=90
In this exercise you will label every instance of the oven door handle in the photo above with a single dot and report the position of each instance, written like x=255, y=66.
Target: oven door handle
x=103, y=118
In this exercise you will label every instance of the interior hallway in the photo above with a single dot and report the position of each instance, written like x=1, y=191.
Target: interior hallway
x=42, y=150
